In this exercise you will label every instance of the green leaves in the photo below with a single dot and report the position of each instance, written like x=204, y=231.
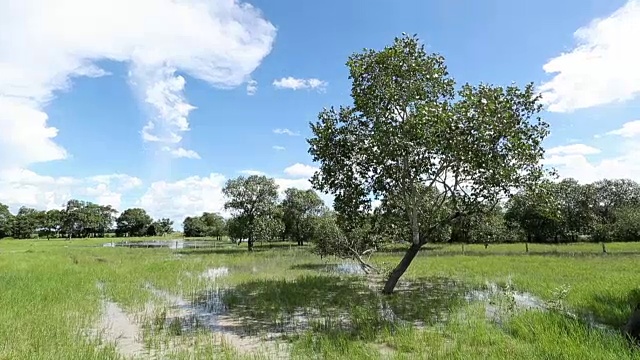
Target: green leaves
x=251, y=199
x=133, y=222
x=299, y=208
x=409, y=129
x=410, y=137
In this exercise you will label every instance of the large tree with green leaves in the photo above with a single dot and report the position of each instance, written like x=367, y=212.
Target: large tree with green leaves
x=409, y=128
x=133, y=222
x=250, y=199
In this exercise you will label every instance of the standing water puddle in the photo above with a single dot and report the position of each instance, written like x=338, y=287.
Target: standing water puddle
x=209, y=311
x=169, y=244
x=345, y=268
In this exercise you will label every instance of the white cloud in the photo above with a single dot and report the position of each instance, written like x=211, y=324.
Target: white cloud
x=298, y=84
x=252, y=87
x=44, y=44
x=602, y=68
x=21, y=187
x=285, y=132
x=181, y=153
x=300, y=170
x=573, y=149
x=621, y=161
x=279, y=148
x=187, y=197
x=250, y=172
x=628, y=129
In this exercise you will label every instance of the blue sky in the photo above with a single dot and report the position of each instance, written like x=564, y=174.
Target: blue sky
x=154, y=108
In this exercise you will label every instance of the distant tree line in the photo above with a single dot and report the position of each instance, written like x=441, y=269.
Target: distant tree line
x=79, y=219
x=552, y=212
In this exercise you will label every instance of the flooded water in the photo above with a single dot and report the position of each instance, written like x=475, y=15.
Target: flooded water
x=118, y=327
x=214, y=273
x=345, y=268
x=170, y=244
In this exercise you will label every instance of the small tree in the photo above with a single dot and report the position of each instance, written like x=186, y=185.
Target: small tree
x=251, y=198
x=299, y=209
x=165, y=226
x=237, y=229
x=194, y=226
x=409, y=129
x=214, y=223
x=133, y=222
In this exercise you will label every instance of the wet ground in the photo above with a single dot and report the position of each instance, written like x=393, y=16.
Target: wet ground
x=170, y=244
x=253, y=314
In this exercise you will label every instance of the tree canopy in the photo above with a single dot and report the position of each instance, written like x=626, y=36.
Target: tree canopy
x=252, y=199
x=410, y=131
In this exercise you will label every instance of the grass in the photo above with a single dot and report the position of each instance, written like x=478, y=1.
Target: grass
x=50, y=301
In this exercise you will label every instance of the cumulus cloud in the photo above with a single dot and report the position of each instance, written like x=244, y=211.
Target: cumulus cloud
x=45, y=44
x=628, y=130
x=602, y=68
x=300, y=170
x=279, y=148
x=573, y=149
x=285, y=131
x=187, y=197
x=299, y=84
x=252, y=87
x=20, y=187
x=250, y=172
x=620, y=161
x=181, y=153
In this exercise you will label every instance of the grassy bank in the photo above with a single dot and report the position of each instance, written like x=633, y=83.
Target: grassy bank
x=50, y=300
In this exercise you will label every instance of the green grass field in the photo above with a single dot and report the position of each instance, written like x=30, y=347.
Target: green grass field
x=52, y=296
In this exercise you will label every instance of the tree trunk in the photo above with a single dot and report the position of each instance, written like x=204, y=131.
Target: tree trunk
x=401, y=268
x=250, y=244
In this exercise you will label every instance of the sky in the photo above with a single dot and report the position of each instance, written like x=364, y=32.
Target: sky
x=157, y=103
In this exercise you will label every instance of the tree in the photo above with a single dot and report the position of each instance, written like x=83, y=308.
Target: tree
x=194, y=227
x=6, y=221
x=251, y=198
x=74, y=218
x=268, y=227
x=52, y=222
x=483, y=227
x=165, y=226
x=299, y=209
x=160, y=227
x=409, y=129
x=614, y=194
x=237, y=229
x=133, y=222
x=214, y=224
x=537, y=212
x=25, y=223
x=346, y=237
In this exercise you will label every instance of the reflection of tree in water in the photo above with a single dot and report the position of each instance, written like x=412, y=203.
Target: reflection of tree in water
x=332, y=303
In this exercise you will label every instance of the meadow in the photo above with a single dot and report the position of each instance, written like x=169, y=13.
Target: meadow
x=79, y=300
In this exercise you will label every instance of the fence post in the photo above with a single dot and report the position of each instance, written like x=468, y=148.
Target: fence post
x=462, y=248
x=604, y=249
x=527, y=247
